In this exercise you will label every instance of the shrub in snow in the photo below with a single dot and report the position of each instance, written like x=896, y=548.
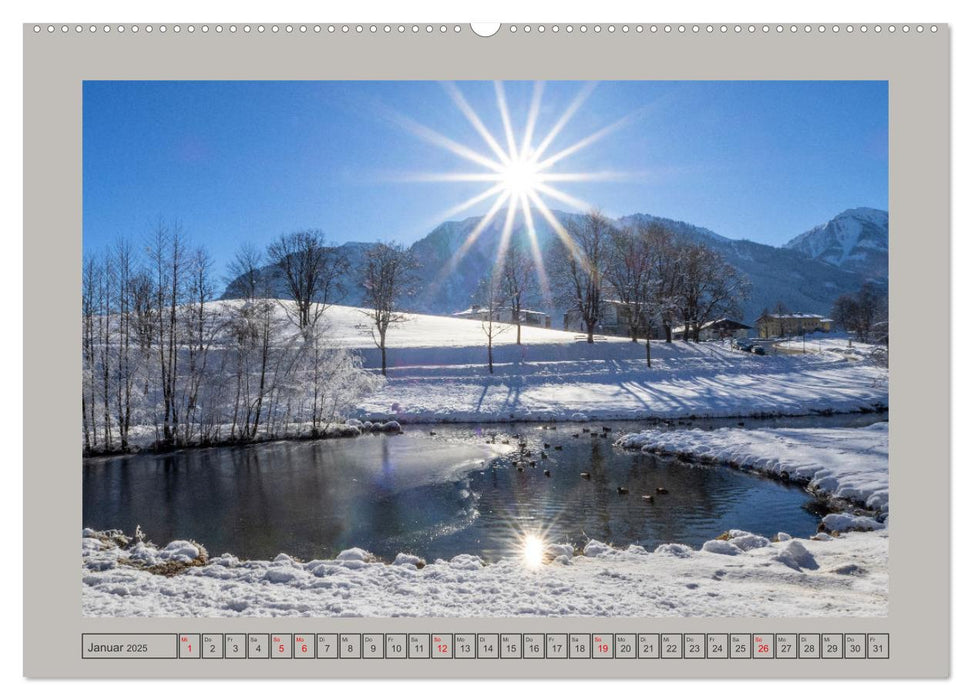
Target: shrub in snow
x=145, y=555
x=843, y=522
x=408, y=560
x=749, y=541
x=181, y=551
x=797, y=557
x=90, y=544
x=675, y=550
x=228, y=560
x=720, y=547
x=355, y=554
x=560, y=550
x=354, y=423
x=353, y=564
x=595, y=548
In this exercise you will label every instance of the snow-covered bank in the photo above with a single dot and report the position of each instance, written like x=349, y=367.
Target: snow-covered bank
x=740, y=575
x=851, y=464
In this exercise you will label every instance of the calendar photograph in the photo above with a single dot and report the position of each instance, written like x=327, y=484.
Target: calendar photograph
x=485, y=349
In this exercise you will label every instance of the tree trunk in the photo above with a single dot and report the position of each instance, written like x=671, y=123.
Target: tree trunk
x=647, y=349
x=589, y=332
x=490, y=354
x=667, y=331
x=384, y=359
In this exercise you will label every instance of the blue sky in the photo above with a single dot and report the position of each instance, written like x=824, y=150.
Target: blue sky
x=246, y=161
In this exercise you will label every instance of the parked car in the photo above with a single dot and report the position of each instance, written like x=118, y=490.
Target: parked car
x=758, y=350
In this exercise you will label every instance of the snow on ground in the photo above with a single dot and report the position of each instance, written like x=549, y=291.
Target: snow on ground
x=438, y=372
x=846, y=463
x=744, y=575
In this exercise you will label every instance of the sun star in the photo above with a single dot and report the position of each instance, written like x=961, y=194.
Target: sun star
x=532, y=550
x=518, y=177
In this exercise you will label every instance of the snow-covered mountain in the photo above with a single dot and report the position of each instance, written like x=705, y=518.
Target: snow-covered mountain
x=856, y=239
x=800, y=275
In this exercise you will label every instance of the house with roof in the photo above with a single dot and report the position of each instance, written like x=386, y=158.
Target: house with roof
x=788, y=324
x=527, y=317
x=717, y=330
x=615, y=319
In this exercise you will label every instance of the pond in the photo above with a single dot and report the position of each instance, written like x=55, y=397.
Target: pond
x=439, y=491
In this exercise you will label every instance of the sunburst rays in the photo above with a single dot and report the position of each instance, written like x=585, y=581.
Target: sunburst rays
x=519, y=175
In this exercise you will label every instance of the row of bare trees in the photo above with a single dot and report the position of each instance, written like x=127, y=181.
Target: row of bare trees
x=161, y=357
x=864, y=313
x=658, y=279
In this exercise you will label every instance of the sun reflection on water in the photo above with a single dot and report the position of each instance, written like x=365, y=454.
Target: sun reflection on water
x=533, y=549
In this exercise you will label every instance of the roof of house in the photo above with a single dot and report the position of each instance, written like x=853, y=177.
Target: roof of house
x=795, y=315
x=472, y=310
x=720, y=323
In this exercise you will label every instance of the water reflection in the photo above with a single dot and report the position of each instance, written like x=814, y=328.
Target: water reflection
x=432, y=496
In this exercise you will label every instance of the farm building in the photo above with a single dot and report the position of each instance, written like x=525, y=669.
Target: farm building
x=781, y=325
x=615, y=319
x=528, y=317
x=717, y=330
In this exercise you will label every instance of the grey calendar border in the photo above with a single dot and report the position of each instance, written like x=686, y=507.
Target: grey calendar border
x=917, y=67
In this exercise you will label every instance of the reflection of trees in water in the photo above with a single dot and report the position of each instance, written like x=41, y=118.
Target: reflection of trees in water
x=601, y=491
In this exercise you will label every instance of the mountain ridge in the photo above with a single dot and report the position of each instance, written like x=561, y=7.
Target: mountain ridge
x=805, y=274
x=855, y=239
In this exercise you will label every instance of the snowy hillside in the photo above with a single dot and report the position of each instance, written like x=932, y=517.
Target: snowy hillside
x=856, y=239
x=437, y=372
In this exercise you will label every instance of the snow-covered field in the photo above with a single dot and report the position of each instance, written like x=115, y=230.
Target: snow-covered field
x=437, y=372
x=850, y=464
x=745, y=575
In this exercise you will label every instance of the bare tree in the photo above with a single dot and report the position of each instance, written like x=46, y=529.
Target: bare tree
x=490, y=299
x=580, y=265
x=252, y=331
x=311, y=272
x=709, y=287
x=518, y=278
x=167, y=254
x=201, y=326
x=125, y=365
x=667, y=288
x=389, y=277
x=89, y=284
x=632, y=277
x=861, y=311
